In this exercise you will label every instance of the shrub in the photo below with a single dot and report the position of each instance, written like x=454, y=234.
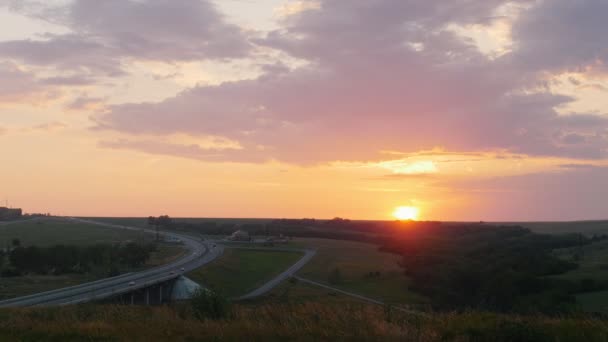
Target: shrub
x=207, y=304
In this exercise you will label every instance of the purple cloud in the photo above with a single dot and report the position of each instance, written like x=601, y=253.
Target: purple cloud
x=382, y=75
x=104, y=33
x=563, y=35
x=17, y=85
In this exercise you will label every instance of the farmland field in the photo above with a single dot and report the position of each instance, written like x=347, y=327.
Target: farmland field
x=354, y=261
x=48, y=232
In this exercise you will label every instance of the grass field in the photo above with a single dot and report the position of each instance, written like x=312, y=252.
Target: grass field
x=355, y=261
x=21, y=286
x=592, y=264
x=48, y=232
x=295, y=292
x=239, y=271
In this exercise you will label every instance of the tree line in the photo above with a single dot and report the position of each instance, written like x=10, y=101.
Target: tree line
x=507, y=269
x=62, y=259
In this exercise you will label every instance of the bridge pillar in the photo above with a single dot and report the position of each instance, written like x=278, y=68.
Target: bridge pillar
x=147, y=296
x=132, y=300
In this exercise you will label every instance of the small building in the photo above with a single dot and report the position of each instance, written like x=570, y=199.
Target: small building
x=7, y=214
x=239, y=235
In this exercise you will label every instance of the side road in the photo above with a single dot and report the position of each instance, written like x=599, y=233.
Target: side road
x=360, y=297
x=308, y=254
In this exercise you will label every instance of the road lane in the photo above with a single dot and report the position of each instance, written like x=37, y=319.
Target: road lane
x=200, y=253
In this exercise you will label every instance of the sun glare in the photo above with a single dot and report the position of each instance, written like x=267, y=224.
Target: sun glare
x=406, y=213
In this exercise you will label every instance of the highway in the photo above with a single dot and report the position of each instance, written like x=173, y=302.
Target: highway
x=199, y=254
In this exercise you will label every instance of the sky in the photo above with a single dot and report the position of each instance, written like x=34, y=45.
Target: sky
x=468, y=110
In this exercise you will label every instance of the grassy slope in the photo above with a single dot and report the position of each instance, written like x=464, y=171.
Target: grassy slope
x=239, y=271
x=355, y=260
x=303, y=322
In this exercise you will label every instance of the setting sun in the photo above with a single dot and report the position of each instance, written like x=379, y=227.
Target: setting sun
x=406, y=213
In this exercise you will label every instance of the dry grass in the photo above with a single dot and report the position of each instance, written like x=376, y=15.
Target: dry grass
x=301, y=322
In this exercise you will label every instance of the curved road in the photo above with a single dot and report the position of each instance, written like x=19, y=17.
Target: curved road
x=308, y=254
x=200, y=253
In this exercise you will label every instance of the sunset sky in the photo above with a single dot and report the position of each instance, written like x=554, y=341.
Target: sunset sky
x=465, y=109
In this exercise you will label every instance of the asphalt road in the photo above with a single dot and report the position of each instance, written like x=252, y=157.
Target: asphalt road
x=200, y=253
x=308, y=254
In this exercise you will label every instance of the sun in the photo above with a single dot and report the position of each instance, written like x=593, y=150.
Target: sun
x=406, y=213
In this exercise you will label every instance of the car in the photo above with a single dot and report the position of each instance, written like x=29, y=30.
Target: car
x=183, y=269
x=172, y=272
x=213, y=245
x=131, y=283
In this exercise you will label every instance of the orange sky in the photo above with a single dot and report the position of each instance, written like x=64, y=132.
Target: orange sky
x=285, y=115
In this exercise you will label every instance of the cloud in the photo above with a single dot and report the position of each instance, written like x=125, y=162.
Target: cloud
x=218, y=153
x=381, y=75
x=17, y=85
x=47, y=127
x=76, y=80
x=106, y=33
x=563, y=35
x=86, y=103
x=574, y=193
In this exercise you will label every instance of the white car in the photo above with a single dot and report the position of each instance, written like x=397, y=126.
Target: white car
x=183, y=269
x=131, y=283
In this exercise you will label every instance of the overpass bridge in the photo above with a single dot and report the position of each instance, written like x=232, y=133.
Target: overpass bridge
x=148, y=286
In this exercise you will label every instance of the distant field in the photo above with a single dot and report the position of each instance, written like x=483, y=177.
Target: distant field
x=48, y=232
x=143, y=221
x=239, y=271
x=355, y=261
x=588, y=228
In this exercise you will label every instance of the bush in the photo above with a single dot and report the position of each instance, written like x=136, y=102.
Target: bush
x=207, y=304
